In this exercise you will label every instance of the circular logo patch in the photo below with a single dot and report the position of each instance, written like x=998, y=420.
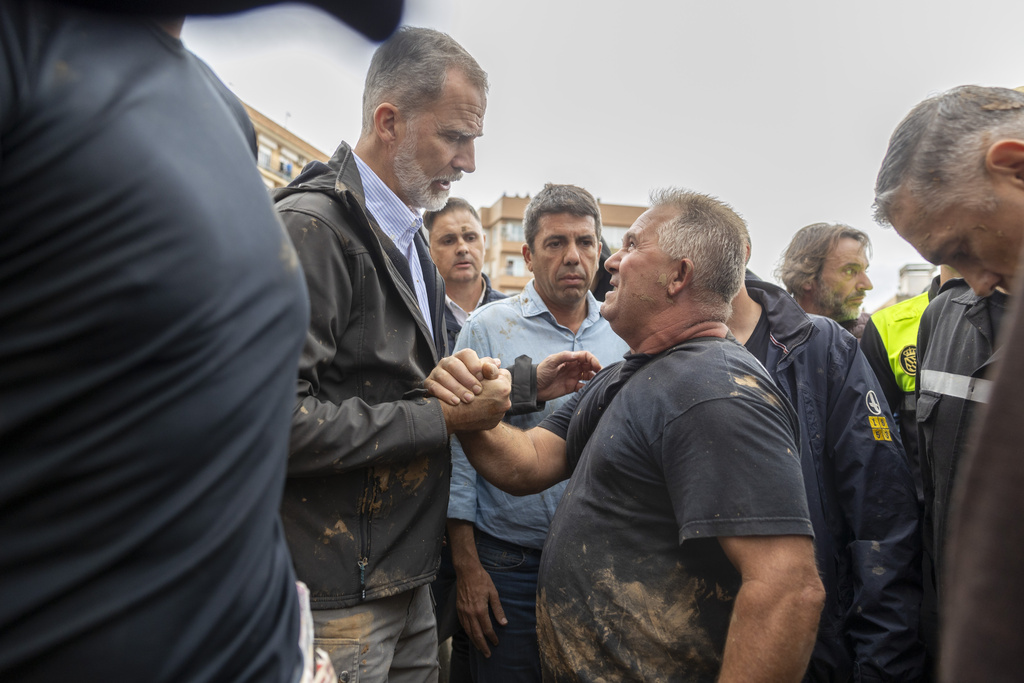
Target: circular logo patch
x=871, y=400
x=908, y=360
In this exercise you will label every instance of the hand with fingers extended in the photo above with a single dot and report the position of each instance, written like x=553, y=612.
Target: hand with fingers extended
x=487, y=408
x=565, y=372
x=456, y=378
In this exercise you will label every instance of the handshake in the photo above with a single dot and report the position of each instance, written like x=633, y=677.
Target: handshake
x=475, y=392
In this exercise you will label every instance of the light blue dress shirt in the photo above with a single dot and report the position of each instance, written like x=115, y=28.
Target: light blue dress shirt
x=398, y=222
x=506, y=329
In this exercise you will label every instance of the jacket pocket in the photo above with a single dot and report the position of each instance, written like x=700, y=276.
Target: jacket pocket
x=494, y=558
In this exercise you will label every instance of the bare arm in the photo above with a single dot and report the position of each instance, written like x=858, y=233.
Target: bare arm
x=515, y=461
x=775, y=617
x=476, y=591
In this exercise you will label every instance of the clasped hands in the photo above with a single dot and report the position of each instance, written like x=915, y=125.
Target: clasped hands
x=474, y=392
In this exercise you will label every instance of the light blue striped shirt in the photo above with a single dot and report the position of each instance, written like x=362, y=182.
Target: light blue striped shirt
x=398, y=222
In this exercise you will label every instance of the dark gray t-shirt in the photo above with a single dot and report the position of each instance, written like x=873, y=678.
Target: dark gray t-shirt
x=151, y=318
x=667, y=455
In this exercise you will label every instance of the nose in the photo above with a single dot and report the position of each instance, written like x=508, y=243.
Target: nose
x=864, y=283
x=612, y=263
x=461, y=247
x=465, y=160
x=981, y=281
x=572, y=253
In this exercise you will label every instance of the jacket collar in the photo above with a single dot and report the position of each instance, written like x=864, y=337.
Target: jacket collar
x=788, y=324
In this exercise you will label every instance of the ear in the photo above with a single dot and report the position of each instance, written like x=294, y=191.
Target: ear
x=527, y=256
x=386, y=121
x=680, y=277
x=1005, y=159
x=808, y=287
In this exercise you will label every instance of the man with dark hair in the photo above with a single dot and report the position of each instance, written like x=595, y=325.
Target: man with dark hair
x=152, y=323
x=368, y=476
x=952, y=184
x=860, y=490
x=825, y=269
x=497, y=538
x=682, y=545
x=458, y=246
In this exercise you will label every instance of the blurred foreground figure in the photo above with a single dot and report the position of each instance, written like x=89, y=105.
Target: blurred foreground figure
x=952, y=184
x=681, y=548
x=825, y=268
x=152, y=316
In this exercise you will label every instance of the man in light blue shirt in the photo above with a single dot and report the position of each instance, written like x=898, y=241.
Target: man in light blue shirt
x=497, y=538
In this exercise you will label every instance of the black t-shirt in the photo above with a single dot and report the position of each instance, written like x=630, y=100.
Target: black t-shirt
x=152, y=317
x=758, y=341
x=667, y=455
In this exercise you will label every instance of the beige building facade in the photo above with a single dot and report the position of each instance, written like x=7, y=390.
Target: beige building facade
x=280, y=154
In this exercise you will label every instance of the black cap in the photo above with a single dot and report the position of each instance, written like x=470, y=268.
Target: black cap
x=375, y=19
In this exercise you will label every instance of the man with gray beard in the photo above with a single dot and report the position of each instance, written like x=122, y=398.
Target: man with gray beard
x=368, y=474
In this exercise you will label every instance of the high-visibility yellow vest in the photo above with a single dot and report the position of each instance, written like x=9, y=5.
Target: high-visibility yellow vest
x=897, y=327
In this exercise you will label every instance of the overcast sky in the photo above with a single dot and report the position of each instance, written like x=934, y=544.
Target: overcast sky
x=781, y=108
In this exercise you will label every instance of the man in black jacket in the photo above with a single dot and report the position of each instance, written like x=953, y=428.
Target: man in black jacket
x=368, y=476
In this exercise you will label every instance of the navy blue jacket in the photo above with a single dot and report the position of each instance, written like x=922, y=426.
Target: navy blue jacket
x=860, y=493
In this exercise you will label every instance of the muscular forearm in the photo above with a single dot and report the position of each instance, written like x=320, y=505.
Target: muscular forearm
x=772, y=632
x=515, y=461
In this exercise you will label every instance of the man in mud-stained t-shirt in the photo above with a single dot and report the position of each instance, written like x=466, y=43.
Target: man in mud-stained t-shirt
x=639, y=587
x=681, y=549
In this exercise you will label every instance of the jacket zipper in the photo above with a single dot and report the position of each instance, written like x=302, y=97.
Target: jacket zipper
x=366, y=513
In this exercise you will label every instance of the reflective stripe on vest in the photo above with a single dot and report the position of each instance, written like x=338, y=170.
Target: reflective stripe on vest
x=958, y=386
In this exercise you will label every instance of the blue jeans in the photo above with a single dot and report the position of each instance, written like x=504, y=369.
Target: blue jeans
x=513, y=569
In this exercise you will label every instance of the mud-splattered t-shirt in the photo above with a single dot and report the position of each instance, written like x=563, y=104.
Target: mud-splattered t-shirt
x=668, y=453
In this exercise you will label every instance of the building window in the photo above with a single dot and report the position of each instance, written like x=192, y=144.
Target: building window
x=515, y=266
x=512, y=231
x=263, y=158
x=613, y=236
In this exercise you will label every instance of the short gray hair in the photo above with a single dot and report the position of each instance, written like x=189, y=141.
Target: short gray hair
x=569, y=199
x=410, y=68
x=804, y=258
x=938, y=151
x=714, y=237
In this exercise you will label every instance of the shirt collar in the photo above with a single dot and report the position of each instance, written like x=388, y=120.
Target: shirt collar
x=534, y=305
x=397, y=220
